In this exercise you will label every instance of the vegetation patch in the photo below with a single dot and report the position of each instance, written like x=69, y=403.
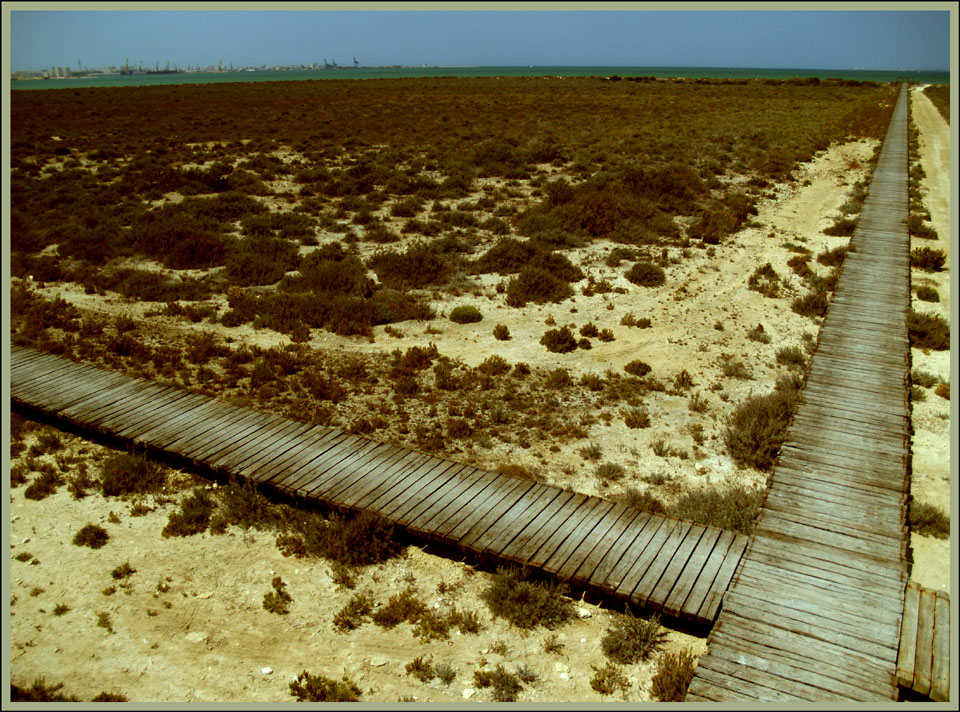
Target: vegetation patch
x=526, y=603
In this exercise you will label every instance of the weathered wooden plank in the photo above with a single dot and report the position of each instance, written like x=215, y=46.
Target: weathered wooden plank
x=491, y=515
x=392, y=474
x=704, y=582
x=585, y=570
x=604, y=535
x=528, y=543
x=384, y=493
x=319, y=486
x=711, y=602
x=285, y=466
x=505, y=490
x=430, y=512
x=883, y=555
x=672, y=574
x=890, y=541
x=511, y=546
x=925, y=619
x=188, y=420
x=645, y=557
x=793, y=679
x=332, y=476
x=89, y=411
x=692, y=569
x=287, y=442
x=234, y=429
x=648, y=582
x=765, y=688
x=314, y=470
x=878, y=503
x=374, y=470
x=534, y=501
x=421, y=488
x=307, y=466
x=940, y=672
x=580, y=537
x=131, y=416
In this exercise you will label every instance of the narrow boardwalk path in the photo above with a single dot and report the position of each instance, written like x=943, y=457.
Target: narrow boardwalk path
x=924, y=661
x=672, y=565
x=814, y=610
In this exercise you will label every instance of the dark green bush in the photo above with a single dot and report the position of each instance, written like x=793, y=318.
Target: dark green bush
x=765, y=280
x=733, y=507
x=403, y=606
x=91, y=535
x=365, y=539
x=131, y=474
x=637, y=368
x=416, y=268
x=928, y=260
x=465, y=315
x=559, y=341
x=757, y=428
x=928, y=520
x=631, y=640
x=40, y=691
x=673, y=676
x=536, y=285
x=193, y=516
x=524, y=602
x=317, y=688
x=834, y=257
x=506, y=686
x=646, y=274
x=928, y=331
x=928, y=294
x=842, y=227
x=813, y=304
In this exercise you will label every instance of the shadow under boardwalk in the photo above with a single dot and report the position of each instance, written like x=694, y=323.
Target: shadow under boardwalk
x=671, y=565
x=814, y=611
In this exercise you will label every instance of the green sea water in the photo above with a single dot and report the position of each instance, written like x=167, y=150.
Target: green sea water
x=919, y=77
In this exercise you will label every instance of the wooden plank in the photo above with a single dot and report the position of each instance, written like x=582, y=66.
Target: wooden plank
x=90, y=411
x=531, y=505
x=585, y=569
x=691, y=572
x=580, y=537
x=510, y=546
x=318, y=487
x=647, y=584
x=940, y=672
x=390, y=476
x=370, y=454
x=285, y=467
x=690, y=607
x=56, y=395
x=839, y=661
x=925, y=619
x=372, y=470
x=166, y=432
x=790, y=678
x=542, y=545
x=878, y=541
x=745, y=680
x=308, y=466
x=285, y=442
x=816, y=627
x=671, y=576
x=430, y=513
x=877, y=553
x=476, y=515
x=603, y=536
x=490, y=517
x=711, y=602
x=228, y=424
x=858, y=677
x=645, y=558
x=203, y=422
x=624, y=553
x=129, y=414
x=532, y=536
x=315, y=469
x=60, y=376
x=881, y=503
x=384, y=492
x=423, y=487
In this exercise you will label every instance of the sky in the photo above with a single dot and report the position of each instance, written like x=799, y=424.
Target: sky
x=809, y=39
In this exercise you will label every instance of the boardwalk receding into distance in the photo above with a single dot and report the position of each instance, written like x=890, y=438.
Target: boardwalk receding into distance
x=814, y=611
x=676, y=566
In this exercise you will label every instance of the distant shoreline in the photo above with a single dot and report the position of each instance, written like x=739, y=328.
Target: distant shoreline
x=257, y=75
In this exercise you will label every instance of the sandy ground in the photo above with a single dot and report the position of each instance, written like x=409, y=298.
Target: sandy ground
x=208, y=638
x=931, y=417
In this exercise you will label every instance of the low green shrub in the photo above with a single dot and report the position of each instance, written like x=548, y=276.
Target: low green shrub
x=608, y=679
x=506, y=686
x=501, y=332
x=929, y=520
x=646, y=274
x=128, y=473
x=637, y=368
x=765, y=280
x=757, y=428
x=536, y=285
x=629, y=640
x=278, y=600
x=367, y=538
x=928, y=294
x=643, y=500
x=353, y=614
x=92, y=535
x=524, y=602
x=673, y=675
x=733, y=507
x=193, y=516
x=40, y=691
x=403, y=606
x=559, y=341
x=465, y=315
x=317, y=688
x=792, y=356
x=928, y=331
x=813, y=304
x=927, y=259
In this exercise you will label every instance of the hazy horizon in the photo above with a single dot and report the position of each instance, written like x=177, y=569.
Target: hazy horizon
x=869, y=40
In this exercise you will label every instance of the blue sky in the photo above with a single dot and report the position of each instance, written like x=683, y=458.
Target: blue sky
x=801, y=39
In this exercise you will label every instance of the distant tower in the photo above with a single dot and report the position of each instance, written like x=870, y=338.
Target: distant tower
x=356, y=64
x=219, y=65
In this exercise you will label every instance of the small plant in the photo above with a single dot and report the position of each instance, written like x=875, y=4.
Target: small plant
x=928, y=520
x=792, y=356
x=445, y=673
x=465, y=315
x=928, y=331
x=733, y=507
x=735, y=368
x=317, y=688
x=501, y=332
x=40, y=691
x=421, y=668
x=559, y=341
x=609, y=472
x=278, y=600
x=404, y=606
x=758, y=334
x=943, y=390
x=673, y=676
x=591, y=452
x=342, y=575
x=23, y=556
x=91, y=535
x=193, y=516
x=927, y=259
x=697, y=403
x=524, y=602
x=103, y=621
x=928, y=294
x=632, y=640
x=552, y=644
x=131, y=474
x=125, y=570
x=609, y=679
x=506, y=686
x=352, y=615
x=923, y=378
x=637, y=368
x=60, y=609
x=646, y=274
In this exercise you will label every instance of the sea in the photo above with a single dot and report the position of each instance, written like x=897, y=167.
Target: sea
x=350, y=73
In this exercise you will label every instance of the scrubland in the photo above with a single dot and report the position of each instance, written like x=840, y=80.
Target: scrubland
x=610, y=286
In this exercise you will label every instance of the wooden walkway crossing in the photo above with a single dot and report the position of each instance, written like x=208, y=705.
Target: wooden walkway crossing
x=675, y=566
x=814, y=610
x=924, y=661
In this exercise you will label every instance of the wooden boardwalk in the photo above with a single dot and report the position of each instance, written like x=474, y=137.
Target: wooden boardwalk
x=924, y=661
x=671, y=565
x=814, y=611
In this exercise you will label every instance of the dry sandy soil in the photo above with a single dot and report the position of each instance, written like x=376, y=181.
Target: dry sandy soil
x=190, y=626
